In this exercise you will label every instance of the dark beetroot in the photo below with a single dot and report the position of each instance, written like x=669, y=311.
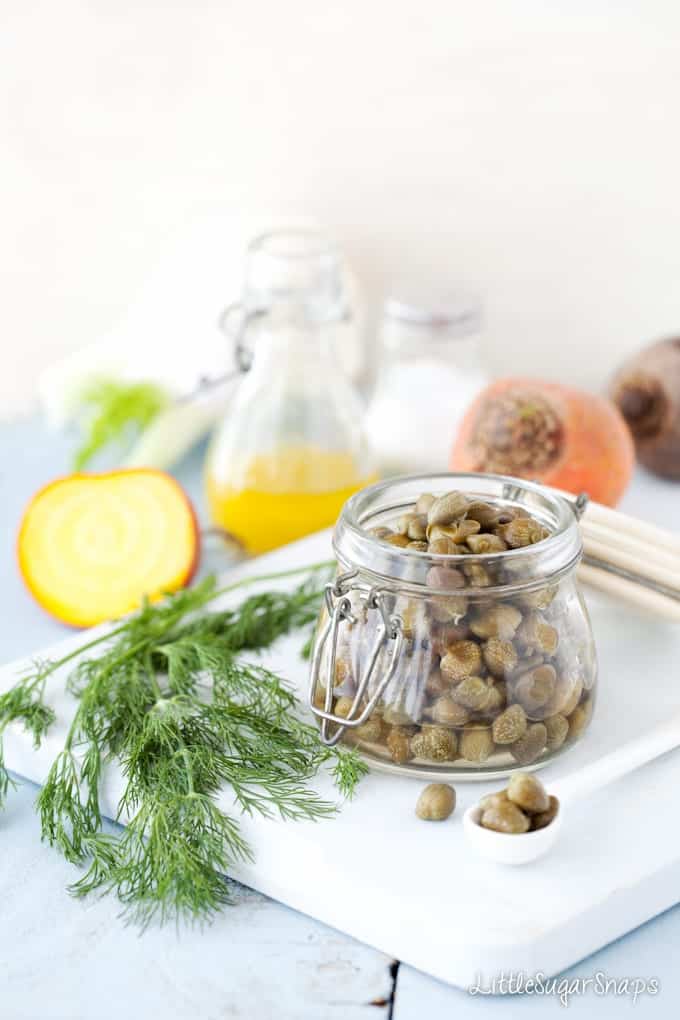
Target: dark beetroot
x=646, y=391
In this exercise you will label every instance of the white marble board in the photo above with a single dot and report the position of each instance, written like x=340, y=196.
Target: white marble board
x=414, y=890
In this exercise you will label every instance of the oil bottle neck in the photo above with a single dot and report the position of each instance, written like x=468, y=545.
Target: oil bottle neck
x=289, y=340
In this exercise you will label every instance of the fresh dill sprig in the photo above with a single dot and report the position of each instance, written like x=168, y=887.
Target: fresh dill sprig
x=169, y=696
x=114, y=412
x=24, y=703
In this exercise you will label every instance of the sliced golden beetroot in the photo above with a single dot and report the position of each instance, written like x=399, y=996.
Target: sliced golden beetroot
x=91, y=546
x=542, y=430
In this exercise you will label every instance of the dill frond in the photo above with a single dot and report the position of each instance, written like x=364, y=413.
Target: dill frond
x=169, y=695
x=24, y=704
x=114, y=412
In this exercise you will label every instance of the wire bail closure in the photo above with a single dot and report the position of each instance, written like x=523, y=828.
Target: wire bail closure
x=339, y=606
x=580, y=504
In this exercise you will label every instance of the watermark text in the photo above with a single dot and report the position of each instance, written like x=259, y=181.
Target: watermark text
x=565, y=988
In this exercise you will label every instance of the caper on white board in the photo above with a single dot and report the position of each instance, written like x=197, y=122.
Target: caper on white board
x=436, y=803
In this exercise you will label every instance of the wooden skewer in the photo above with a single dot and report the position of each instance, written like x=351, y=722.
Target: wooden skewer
x=634, y=546
x=630, y=559
x=624, y=525
x=630, y=591
x=645, y=568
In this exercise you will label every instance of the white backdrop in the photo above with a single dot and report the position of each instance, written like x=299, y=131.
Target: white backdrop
x=529, y=149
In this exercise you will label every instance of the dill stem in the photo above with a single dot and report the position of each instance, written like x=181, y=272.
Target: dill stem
x=79, y=651
x=187, y=762
x=151, y=674
x=274, y=576
x=175, y=747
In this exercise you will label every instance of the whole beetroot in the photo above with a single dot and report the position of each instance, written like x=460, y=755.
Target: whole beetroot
x=546, y=431
x=646, y=390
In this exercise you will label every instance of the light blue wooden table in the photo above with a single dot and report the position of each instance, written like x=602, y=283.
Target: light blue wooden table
x=61, y=959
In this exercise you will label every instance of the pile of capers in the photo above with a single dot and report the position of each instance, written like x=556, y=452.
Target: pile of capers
x=523, y=806
x=487, y=682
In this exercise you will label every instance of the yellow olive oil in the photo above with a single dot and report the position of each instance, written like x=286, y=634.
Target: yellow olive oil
x=283, y=495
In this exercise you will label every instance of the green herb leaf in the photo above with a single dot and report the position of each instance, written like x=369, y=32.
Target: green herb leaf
x=24, y=704
x=114, y=412
x=169, y=695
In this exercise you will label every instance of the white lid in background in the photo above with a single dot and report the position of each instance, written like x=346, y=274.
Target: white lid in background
x=454, y=313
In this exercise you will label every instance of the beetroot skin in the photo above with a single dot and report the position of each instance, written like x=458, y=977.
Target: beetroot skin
x=646, y=390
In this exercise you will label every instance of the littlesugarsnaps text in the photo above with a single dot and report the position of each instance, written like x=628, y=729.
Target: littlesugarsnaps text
x=565, y=988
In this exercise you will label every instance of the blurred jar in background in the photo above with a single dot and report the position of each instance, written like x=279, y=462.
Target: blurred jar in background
x=291, y=448
x=429, y=370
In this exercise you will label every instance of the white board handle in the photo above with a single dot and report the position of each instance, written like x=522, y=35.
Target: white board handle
x=645, y=748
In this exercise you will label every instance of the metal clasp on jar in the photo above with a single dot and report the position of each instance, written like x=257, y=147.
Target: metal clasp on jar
x=389, y=632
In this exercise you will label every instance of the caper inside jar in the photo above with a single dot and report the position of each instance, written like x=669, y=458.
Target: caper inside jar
x=465, y=648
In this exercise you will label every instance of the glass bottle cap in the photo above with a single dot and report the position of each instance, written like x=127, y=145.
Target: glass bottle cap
x=456, y=314
x=295, y=267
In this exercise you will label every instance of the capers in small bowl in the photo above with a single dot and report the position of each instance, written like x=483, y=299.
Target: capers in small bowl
x=543, y=818
x=528, y=793
x=504, y=817
x=524, y=805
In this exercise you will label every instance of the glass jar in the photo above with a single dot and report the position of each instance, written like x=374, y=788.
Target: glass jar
x=291, y=448
x=430, y=370
x=403, y=628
